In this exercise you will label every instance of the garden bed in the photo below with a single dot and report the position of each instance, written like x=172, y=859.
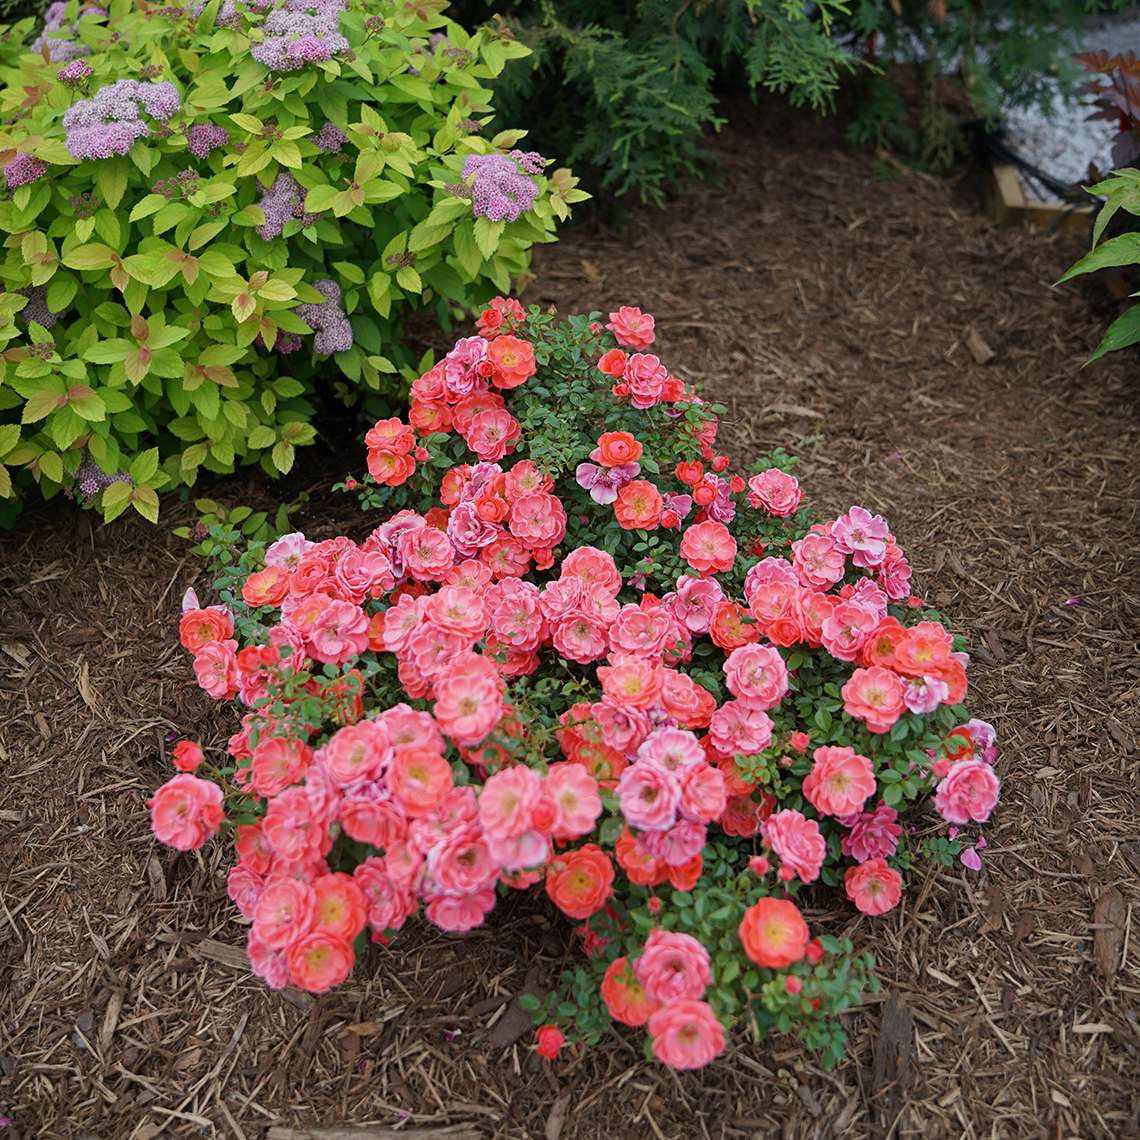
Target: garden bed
x=837, y=315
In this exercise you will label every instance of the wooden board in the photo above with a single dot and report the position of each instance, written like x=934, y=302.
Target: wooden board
x=1008, y=205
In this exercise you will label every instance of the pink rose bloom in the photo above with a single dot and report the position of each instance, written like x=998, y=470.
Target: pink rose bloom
x=319, y=961
x=369, y=814
x=846, y=629
x=458, y=610
x=186, y=811
x=468, y=532
x=460, y=864
x=459, y=913
x=984, y=736
x=286, y=912
x=469, y=700
x=515, y=614
x=389, y=904
x=268, y=964
x=507, y=801
x=361, y=574
x=215, y=666
x=355, y=753
x=573, y=792
x=874, y=696
x=292, y=828
x=797, y=841
x=286, y=635
x=631, y=327
x=673, y=967
x=686, y=1034
x=874, y=887
x=817, y=561
x=623, y=727
x=756, y=675
x=672, y=749
x=339, y=634
x=645, y=376
x=870, y=594
x=492, y=434
x=968, y=793
x=591, y=566
x=738, y=728
x=703, y=793
x=708, y=547
x=694, y=602
x=863, y=535
x=244, y=888
x=459, y=807
x=776, y=491
x=769, y=570
x=431, y=649
x=872, y=834
x=894, y=573
x=649, y=796
x=538, y=520
x=470, y=573
x=641, y=632
x=427, y=553
x=924, y=694
x=288, y=550
x=277, y=763
x=409, y=728
x=840, y=781
x=676, y=845
x=580, y=637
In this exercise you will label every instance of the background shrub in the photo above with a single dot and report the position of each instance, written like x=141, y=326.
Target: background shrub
x=213, y=213
x=644, y=77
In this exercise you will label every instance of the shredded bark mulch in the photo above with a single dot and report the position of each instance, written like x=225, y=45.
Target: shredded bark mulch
x=918, y=360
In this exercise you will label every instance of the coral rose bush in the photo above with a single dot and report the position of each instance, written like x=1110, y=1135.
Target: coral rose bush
x=583, y=655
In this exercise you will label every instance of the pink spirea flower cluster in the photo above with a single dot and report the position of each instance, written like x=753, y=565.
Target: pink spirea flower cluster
x=300, y=32
x=282, y=201
x=205, y=137
x=675, y=719
x=75, y=73
x=500, y=191
x=111, y=120
x=23, y=170
x=58, y=36
x=327, y=320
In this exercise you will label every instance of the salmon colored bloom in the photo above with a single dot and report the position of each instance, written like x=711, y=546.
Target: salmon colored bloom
x=874, y=696
x=319, y=961
x=512, y=360
x=686, y=1034
x=631, y=327
x=757, y=676
x=188, y=756
x=185, y=812
x=631, y=681
x=626, y=998
x=215, y=666
x=277, y=763
x=197, y=628
x=673, y=966
x=797, y=841
x=419, y=779
x=613, y=362
x=775, y=491
x=773, y=933
x=874, y=886
x=580, y=881
x=616, y=448
x=840, y=781
x=340, y=908
x=879, y=648
x=709, y=547
x=390, y=468
x=549, y=1039
x=968, y=793
x=638, y=505
x=574, y=794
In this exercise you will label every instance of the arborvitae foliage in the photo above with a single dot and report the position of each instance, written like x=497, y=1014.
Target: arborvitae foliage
x=629, y=88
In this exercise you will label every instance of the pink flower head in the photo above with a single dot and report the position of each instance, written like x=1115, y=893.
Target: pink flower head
x=574, y=794
x=357, y=752
x=672, y=749
x=288, y=550
x=641, y=631
x=757, y=675
x=459, y=913
x=469, y=699
x=673, y=967
x=215, y=666
x=538, y=519
x=775, y=491
x=840, y=781
x=339, y=634
x=874, y=886
x=737, y=728
x=873, y=834
x=649, y=796
x=580, y=637
x=389, y=903
x=277, y=763
x=847, y=628
x=863, y=535
x=293, y=828
x=507, y=801
x=604, y=483
x=631, y=327
x=704, y=794
x=968, y=793
x=645, y=378
x=708, y=547
x=676, y=846
x=694, y=602
x=427, y=553
x=686, y=1034
x=924, y=694
x=817, y=561
x=186, y=811
x=458, y=610
x=285, y=912
x=874, y=696
x=591, y=566
x=797, y=841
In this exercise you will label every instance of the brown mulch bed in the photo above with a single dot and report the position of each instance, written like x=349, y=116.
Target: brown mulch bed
x=832, y=310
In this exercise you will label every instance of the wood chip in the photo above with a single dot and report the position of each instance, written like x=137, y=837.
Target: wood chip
x=556, y=1121
x=1108, y=935
x=979, y=350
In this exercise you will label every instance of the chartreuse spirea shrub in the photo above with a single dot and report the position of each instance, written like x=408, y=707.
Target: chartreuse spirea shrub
x=212, y=212
x=583, y=655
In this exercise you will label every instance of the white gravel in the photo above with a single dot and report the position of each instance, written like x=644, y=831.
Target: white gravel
x=1061, y=141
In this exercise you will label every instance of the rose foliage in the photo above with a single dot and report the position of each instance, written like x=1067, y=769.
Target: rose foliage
x=581, y=654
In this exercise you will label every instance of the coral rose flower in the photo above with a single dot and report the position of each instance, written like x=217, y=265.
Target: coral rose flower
x=626, y=998
x=775, y=491
x=757, y=676
x=673, y=967
x=708, y=547
x=773, y=933
x=188, y=756
x=318, y=962
x=549, y=1039
x=968, y=793
x=512, y=359
x=840, y=782
x=185, y=812
x=580, y=881
x=616, y=448
x=686, y=1034
x=631, y=327
x=874, y=887
x=197, y=628
x=797, y=841
x=638, y=506
x=419, y=779
x=874, y=696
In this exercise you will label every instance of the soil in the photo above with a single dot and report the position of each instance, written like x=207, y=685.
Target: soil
x=846, y=311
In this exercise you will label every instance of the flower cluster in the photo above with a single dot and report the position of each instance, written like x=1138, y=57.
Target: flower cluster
x=327, y=320
x=281, y=202
x=22, y=170
x=205, y=137
x=673, y=719
x=499, y=191
x=57, y=38
x=110, y=121
x=300, y=32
